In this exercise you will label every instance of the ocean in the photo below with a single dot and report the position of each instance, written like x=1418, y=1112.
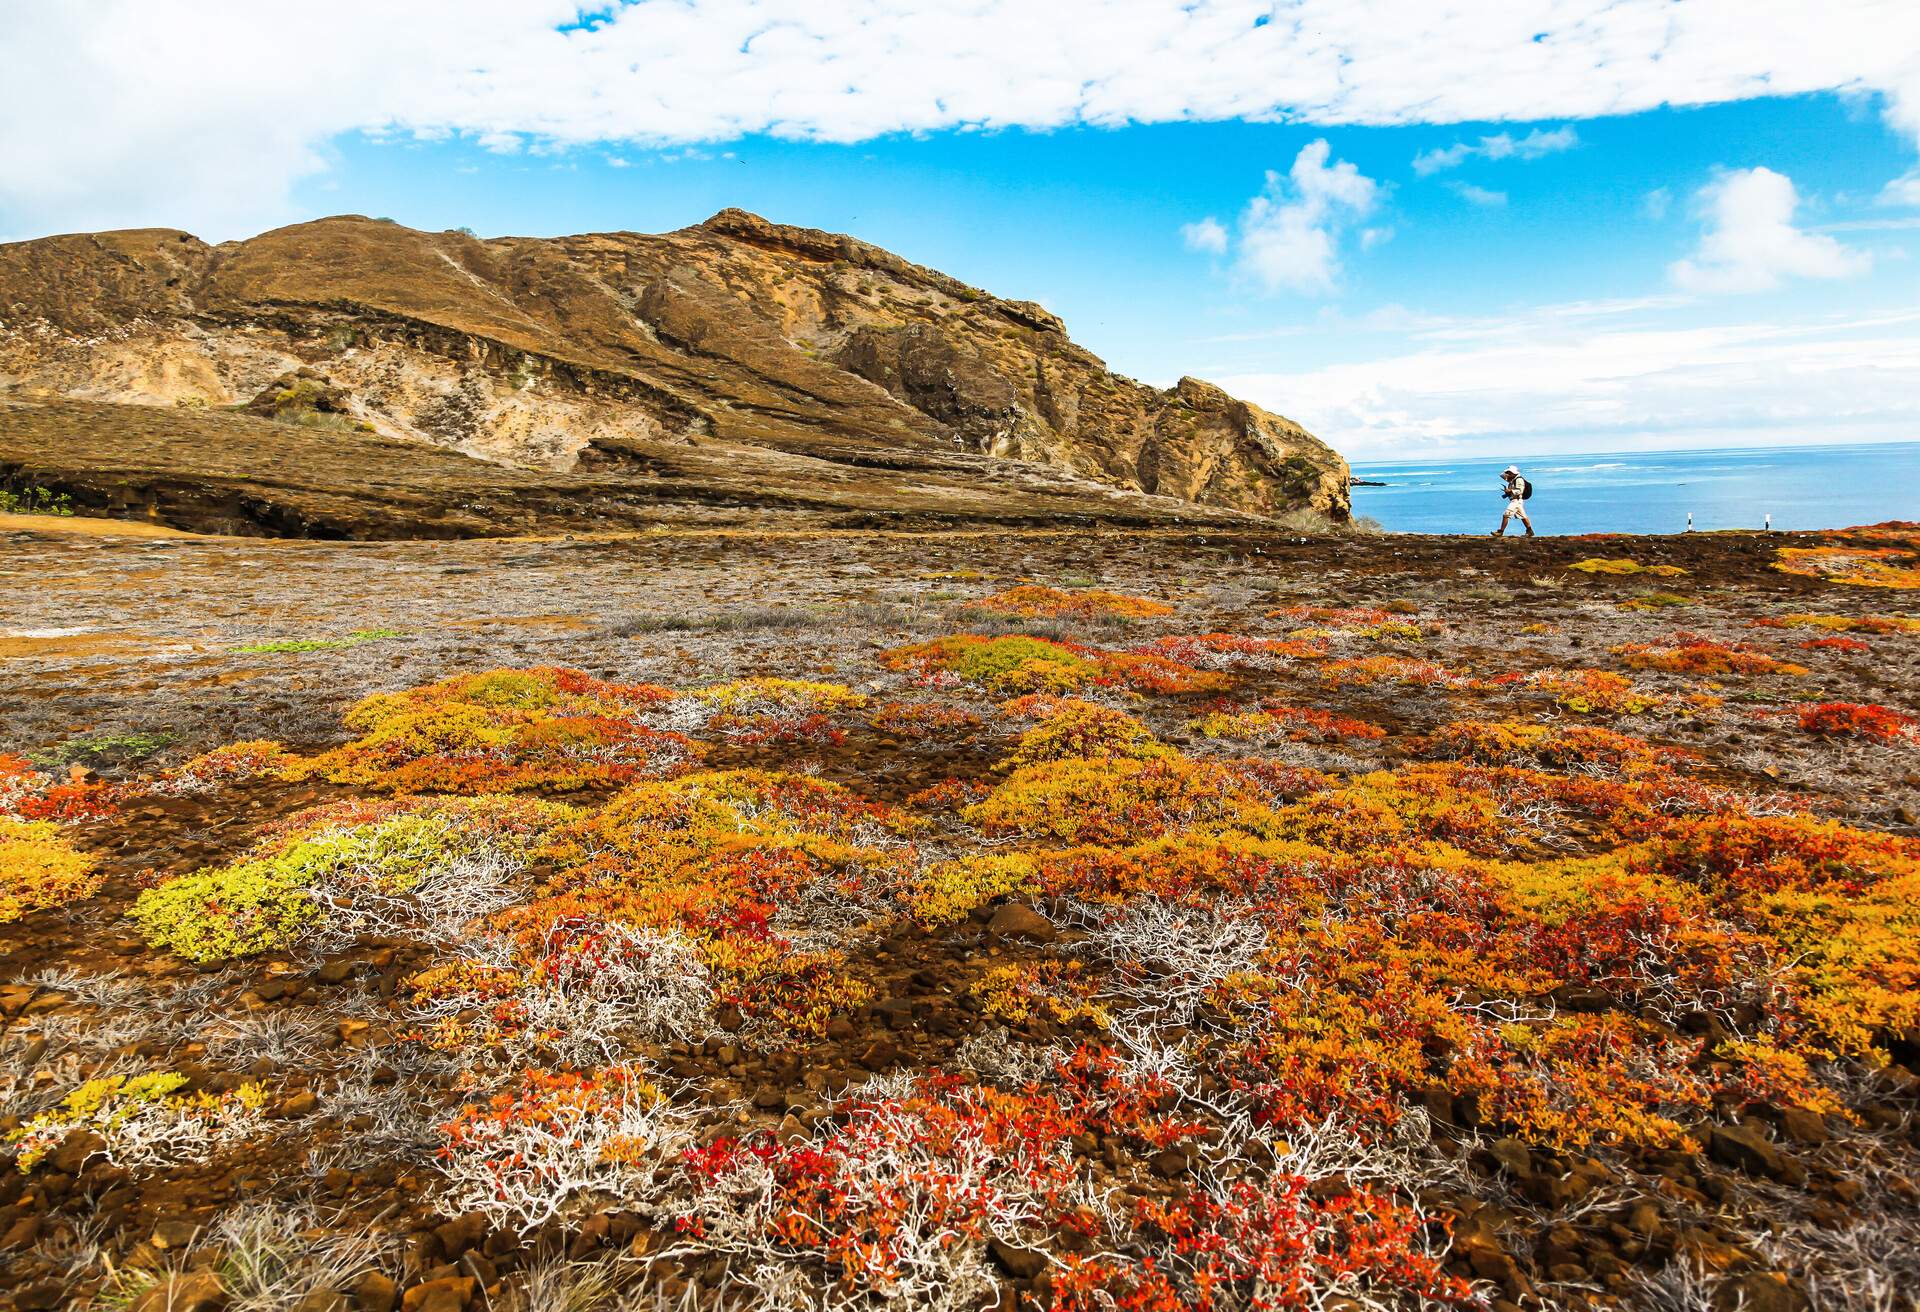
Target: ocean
x=1802, y=487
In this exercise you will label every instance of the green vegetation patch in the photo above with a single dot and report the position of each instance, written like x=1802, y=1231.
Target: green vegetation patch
x=95, y=750
x=34, y=501
x=353, y=639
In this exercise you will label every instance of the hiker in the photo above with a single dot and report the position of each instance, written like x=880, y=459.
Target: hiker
x=1516, y=489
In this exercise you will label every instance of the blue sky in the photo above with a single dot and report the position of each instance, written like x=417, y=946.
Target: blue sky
x=1430, y=267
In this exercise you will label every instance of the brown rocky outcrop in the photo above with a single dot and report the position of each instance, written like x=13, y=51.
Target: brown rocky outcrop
x=755, y=343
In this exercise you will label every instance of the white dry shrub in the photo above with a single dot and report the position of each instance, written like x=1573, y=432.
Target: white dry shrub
x=1166, y=956
x=880, y=1162
x=1287, y=1273
x=145, y=1120
x=239, y=1039
x=179, y=1133
x=524, y=1166
x=1678, y=1286
x=1870, y=1265
x=386, y=1102
x=110, y=1011
x=377, y=1121
x=270, y=1257
x=994, y=1056
x=596, y=988
x=829, y=910
x=444, y=894
x=596, y=983
x=682, y=715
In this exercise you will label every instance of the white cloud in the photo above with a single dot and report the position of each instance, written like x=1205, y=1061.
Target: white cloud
x=1371, y=237
x=1207, y=235
x=1892, y=223
x=1607, y=375
x=1290, y=234
x=207, y=112
x=1903, y=190
x=1749, y=243
x=1656, y=203
x=1478, y=195
x=1502, y=145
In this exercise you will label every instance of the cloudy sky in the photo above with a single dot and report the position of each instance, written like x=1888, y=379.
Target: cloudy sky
x=1516, y=227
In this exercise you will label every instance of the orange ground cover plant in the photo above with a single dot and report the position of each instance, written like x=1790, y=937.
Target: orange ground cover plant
x=40, y=868
x=1865, y=567
x=1234, y=651
x=1273, y=1244
x=719, y=858
x=503, y=731
x=1620, y=565
x=1880, y=724
x=774, y=710
x=923, y=719
x=1550, y=746
x=1595, y=692
x=235, y=763
x=1015, y=663
x=28, y=793
x=1581, y=1080
x=1340, y=617
x=904, y=1185
x=1692, y=653
x=1033, y=601
x=1547, y=929
x=1363, y=670
x=1071, y=729
x=1117, y=799
x=1153, y=673
x=1008, y=665
x=1296, y=723
x=1740, y=857
x=1059, y=992
x=1843, y=623
x=1838, y=907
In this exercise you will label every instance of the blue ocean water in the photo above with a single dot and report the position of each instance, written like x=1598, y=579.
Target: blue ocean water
x=1802, y=487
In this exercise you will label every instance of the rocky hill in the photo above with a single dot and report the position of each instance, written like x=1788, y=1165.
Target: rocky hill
x=727, y=367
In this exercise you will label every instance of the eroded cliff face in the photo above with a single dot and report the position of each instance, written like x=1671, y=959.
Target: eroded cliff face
x=601, y=352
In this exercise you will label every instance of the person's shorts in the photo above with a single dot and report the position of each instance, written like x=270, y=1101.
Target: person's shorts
x=1516, y=509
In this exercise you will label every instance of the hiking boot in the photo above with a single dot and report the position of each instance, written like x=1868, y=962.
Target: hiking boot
x=1529, y=530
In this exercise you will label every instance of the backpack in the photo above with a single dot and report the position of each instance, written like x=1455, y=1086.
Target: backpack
x=1526, y=489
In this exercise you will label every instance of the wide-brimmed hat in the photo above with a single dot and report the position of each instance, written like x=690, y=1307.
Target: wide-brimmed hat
x=1511, y=469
